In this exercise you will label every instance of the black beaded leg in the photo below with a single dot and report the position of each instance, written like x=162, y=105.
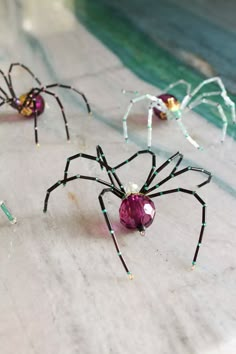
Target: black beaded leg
x=5, y=94
x=103, y=162
x=175, y=174
x=146, y=151
x=25, y=68
x=112, y=232
x=73, y=157
x=54, y=186
x=35, y=122
x=113, y=169
x=73, y=89
x=64, y=181
x=150, y=178
x=111, y=172
x=8, y=85
x=3, y=101
x=101, y=156
x=197, y=169
x=62, y=111
x=183, y=190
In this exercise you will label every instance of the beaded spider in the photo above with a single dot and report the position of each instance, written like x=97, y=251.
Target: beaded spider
x=32, y=104
x=137, y=209
x=166, y=106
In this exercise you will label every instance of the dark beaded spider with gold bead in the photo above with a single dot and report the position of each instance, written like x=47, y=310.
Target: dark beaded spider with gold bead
x=137, y=209
x=31, y=104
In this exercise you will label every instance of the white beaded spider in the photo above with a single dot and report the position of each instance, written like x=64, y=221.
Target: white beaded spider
x=166, y=106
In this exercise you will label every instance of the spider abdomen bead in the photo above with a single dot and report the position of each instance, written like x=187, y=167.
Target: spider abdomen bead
x=171, y=103
x=137, y=211
x=30, y=106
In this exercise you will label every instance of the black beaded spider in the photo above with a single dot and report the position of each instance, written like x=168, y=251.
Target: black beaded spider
x=32, y=104
x=137, y=209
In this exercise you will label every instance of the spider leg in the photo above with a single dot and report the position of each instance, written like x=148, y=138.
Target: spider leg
x=220, y=110
x=80, y=155
x=101, y=157
x=179, y=82
x=4, y=93
x=116, y=191
x=138, y=154
x=125, y=92
x=61, y=108
x=7, y=83
x=27, y=102
x=203, y=224
x=25, y=68
x=73, y=89
x=159, y=169
x=134, y=100
x=175, y=173
x=35, y=122
x=111, y=231
x=6, y=211
x=149, y=126
x=186, y=134
x=3, y=100
x=223, y=93
x=217, y=80
x=110, y=171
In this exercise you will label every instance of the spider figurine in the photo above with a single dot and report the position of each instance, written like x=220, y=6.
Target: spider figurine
x=6, y=211
x=31, y=104
x=166, y=106
x=137, y=210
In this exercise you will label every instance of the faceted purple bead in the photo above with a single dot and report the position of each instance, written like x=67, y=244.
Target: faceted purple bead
x=28, y=110
x=137, y=211
x=40, y=104
x=164, y=97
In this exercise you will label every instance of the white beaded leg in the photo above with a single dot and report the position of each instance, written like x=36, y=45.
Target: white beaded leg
x=179, y=82
x=208, y=81
x=225, y=97
x=230, y=103
x=149, y=126
x=186, y=134
x=125, y=128
x=125, y=92
x=221, y=112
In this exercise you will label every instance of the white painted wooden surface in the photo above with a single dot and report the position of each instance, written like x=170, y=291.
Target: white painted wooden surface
x=62, y=287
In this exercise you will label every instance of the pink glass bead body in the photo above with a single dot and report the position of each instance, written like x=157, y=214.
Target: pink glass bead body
x=165, y=98
x=40, y=104
x=137, y=211
x=29, y=109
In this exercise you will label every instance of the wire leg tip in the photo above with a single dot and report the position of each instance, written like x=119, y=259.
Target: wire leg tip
x=131, y=276
x=13, y=221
